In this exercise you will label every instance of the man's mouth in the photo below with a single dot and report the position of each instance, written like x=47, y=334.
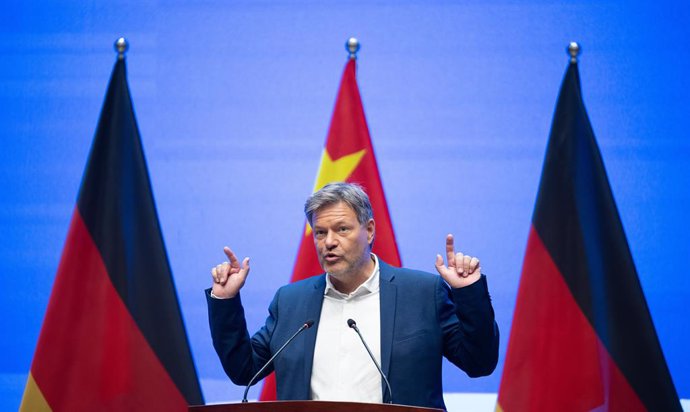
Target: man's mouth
x=331, y=257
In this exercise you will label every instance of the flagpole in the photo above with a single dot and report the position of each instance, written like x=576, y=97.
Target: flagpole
x=352, y=47
x=121, y=46
x=573, y=51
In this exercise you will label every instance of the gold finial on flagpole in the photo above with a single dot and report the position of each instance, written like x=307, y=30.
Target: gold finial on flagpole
x=352, y=47
x=121, y=46
x=573, y=51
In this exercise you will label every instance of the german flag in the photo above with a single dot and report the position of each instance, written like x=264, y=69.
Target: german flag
x=582, y=337
x=113, y=338
x=347, y=157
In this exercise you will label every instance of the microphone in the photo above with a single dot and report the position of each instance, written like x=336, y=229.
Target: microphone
x=308, y=324
x=352, y=324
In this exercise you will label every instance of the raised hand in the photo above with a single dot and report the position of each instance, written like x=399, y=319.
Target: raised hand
x=229, y=277
x=462, y=270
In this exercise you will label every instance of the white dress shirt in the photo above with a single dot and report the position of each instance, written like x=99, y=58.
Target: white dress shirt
x=342, y=369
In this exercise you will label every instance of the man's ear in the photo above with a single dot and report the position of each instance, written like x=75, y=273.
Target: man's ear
x=371, y=231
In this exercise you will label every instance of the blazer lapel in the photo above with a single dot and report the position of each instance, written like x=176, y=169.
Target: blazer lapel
x=314, y=303
x=388, y=292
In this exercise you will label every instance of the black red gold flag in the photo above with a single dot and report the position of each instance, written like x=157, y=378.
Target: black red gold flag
x=582, y=337
x=113, y=337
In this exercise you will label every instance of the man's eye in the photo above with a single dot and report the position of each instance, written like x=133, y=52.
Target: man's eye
x=343, y=229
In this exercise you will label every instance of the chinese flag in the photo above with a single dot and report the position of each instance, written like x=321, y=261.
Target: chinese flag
x=347, y=157
x=582, y=338
x=113, y=338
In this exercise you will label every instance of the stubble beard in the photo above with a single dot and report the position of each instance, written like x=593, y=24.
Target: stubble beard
x=350, y=270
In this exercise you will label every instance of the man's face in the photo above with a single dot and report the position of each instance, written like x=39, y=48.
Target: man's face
x=342, y=243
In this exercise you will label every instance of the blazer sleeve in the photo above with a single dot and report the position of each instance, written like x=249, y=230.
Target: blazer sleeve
x=470, y=332
x=240, y=356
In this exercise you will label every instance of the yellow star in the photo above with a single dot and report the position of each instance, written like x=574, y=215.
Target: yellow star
x=335, y=171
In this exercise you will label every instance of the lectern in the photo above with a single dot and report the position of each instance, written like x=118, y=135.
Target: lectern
x=309, y=406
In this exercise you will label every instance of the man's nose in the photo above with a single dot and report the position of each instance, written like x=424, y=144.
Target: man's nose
x=331, y=240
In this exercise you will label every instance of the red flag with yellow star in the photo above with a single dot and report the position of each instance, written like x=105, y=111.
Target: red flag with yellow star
x=347, y=157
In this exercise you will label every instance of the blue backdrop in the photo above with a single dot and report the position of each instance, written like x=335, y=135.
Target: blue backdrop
x=234, y=99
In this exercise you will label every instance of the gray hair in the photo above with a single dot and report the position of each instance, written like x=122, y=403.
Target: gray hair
x=351, y=194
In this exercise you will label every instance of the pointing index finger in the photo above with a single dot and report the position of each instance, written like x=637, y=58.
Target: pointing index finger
x=233, y=259
x=450, y=251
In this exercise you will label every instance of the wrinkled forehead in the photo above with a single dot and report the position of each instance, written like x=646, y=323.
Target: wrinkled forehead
x=336, y=210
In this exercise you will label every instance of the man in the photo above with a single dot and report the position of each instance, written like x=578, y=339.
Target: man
x=410, y=319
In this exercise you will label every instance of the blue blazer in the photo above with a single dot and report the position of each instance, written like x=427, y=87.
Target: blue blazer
x=422, y=320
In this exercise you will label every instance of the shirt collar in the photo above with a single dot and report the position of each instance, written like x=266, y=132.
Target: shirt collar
x=371, y=285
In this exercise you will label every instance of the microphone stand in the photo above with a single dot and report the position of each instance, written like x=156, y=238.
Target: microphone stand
x=308, y=324
x=352, y=324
